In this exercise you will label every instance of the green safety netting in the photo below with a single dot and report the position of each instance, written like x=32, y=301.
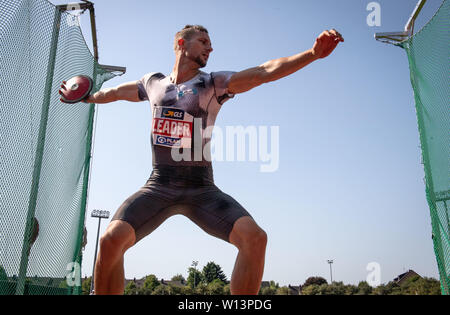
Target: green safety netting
x=429, y=61
x=45, y=148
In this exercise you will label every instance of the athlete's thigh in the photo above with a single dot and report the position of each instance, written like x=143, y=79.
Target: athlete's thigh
x=214, y=211
x=147, y=209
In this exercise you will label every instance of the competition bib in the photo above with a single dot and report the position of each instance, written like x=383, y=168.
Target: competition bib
x=172, y=127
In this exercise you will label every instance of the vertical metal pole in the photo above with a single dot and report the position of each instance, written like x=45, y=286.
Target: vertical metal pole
x=88, y=159
x=91, y=131
x=39, y=154
x=93, y=30
x=95, y=256
x=330, y=261
x=331, y=274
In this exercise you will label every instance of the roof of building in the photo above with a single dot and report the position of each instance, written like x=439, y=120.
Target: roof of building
x=404, y=276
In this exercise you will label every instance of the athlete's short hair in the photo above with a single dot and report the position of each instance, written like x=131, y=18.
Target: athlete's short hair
x=187, y=32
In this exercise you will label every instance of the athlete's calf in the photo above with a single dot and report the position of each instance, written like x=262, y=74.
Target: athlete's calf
x=109, y=275
x=251, y=241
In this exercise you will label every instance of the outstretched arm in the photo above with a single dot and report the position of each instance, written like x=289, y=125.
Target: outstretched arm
x=279, y=68
x=126, y=92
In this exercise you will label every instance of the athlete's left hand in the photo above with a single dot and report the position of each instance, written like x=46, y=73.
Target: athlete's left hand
x=326, y=43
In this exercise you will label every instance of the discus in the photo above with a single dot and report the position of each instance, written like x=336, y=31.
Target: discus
x=76, y=89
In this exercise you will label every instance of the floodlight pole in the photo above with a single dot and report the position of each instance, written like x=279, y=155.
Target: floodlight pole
x=194, y=264
x=100, y=215
x=330, y=261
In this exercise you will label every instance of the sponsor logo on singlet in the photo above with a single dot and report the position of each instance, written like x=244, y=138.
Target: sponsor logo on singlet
x=173, y=113
x=172, y=127
x=167, y=141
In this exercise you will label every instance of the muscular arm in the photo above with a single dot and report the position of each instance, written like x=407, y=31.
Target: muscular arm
x=124, y=92
x=269, y=71
x=279, y=68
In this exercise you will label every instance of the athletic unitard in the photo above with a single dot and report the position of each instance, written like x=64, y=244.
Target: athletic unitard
x=182, y=178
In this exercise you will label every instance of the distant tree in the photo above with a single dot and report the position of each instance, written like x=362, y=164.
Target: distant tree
x=274, y=284
x=86, y=286
x=282, y=291
x=201, y=289
x=194, y=277
x=178, y=277
x=336, y=288
x=270, y=290
x=187, y=290
x=432, y=286
x=392, y=288
x=312, y=289
x=227, y=289
x=175, y=290
x=351, y=289
x=314, y=280
x=215, y=287
x=421, y=286
x=150, y=284
x=162, y=290
x=382, y=289
x=364, y=288
x=213, y=271
x=413, y=286
x=131, y=289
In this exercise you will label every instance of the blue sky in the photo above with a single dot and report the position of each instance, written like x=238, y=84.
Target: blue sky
x=350, y=181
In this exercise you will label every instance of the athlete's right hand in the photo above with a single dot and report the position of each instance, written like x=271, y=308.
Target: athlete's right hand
x=326, y=43
x=62, y=88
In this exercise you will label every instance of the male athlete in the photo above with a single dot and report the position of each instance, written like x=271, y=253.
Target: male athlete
x=184, y=104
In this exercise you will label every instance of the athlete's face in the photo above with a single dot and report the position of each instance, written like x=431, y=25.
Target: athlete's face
x=198, y=48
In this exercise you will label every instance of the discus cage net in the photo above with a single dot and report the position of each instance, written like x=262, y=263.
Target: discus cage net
x=429, y=62
x=45, y=147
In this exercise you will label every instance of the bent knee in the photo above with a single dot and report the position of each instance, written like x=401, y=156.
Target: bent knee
x=254, y=240
x=260, y=238
x=117, y=238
